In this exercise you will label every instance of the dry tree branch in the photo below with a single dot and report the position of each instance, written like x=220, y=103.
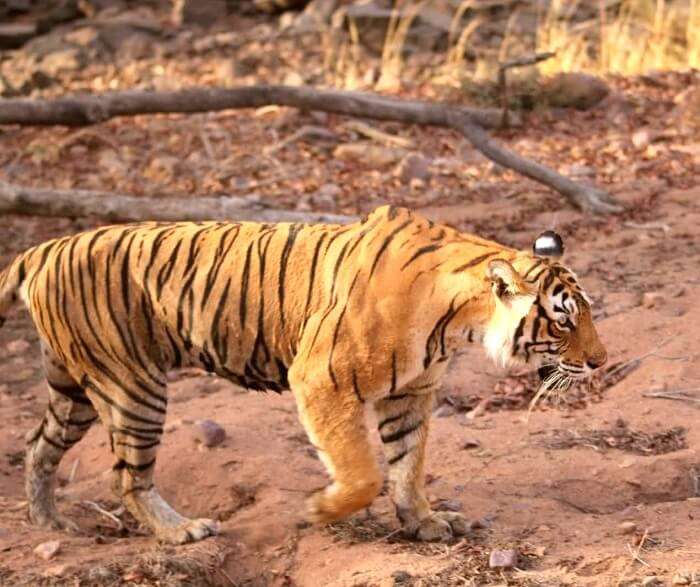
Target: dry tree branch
x=83, y=110
x=121, y=208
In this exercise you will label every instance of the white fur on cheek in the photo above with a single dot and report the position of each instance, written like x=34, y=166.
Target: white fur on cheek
x=498, y=338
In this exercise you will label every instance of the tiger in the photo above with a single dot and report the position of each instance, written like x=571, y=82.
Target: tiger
x=348, y=317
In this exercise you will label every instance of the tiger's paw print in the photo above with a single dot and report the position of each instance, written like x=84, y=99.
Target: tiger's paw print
x=441, y=527
x=190, y=531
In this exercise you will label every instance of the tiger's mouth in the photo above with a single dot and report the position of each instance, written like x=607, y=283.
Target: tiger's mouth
x=546, y=371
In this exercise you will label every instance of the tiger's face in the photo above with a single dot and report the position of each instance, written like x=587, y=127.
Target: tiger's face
x=545, y=319
x=558, y=332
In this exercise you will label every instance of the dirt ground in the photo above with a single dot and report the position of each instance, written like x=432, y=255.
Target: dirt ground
x=600, y=489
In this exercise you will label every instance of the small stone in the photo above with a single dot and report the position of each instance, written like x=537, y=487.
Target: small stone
x=580, y=172
x=16, y=347
x=575, y=89
x=444, y=411
x=651, y=581
x=47, y=550
x=643, y=137
x=449, y=505
x=209, y=433
x=479, y=410
x=413, y=166
x=58, y=570
x=503, y=559
x=198, y=12
x=401, y=577
x=627, y=527
x=680, y=579
x=651, y=299
x=368, y=154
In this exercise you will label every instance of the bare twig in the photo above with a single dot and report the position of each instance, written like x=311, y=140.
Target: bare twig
x=73, y=470
x=676, y=394
x=83, y=110
x=503, y=81
x=634, y=361
x=111, y=515
x=636, y=552
x=379, y=135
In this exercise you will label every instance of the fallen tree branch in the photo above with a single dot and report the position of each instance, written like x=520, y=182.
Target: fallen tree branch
x=121, y=208
x=82, y=110
x=91, y=109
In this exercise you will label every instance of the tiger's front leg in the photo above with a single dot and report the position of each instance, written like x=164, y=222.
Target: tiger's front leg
x=403, y=421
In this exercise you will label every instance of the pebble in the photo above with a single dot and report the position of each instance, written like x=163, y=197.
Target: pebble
x=651, y=581
x=209, y=433
x=503, y=559
x=16, y=347
x=627, y=527
x=413, y=166
x=449, y=505
x=401, y=577
x=47, y=550
x=680, y=579
x=444, y=411
x=651, y=299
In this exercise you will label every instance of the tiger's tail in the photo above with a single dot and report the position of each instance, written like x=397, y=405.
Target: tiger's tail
x=11, y=279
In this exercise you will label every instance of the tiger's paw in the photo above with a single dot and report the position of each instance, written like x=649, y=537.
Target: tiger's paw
x=189, y=531
x=52, y=520
x=440, y=527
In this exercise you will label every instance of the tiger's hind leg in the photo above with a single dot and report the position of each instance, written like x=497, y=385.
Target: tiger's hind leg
x=135, y=423
x=68, y=417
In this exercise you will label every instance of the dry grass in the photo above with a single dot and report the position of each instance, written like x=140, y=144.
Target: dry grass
x=640, y=36
x=626, y=37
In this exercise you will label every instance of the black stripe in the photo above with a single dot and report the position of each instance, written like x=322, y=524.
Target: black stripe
x=284, y=260
x=386, y=243
x=392, y=389
x=475, y=261
x=391, y=419
x=420, y=252
x=74, y=393
x=70, y=421
x=123, y=411
x=398, y=457
x=399, y=434
x=312, y=275
x=356, y=387
x=243, y=303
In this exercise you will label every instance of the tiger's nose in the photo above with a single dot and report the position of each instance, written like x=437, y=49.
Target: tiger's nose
x=597, y=360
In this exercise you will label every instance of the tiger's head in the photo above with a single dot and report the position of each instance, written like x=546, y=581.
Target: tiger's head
x=542, y=316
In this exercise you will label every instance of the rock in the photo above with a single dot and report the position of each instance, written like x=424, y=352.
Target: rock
x=368, y=154
x=577, y=90
x=470, y=444
x=209, y=433
x=503, y=559
x=293, y=78
x=449, y=505
x=651, y=299
x=413, y=166
x=643, y=137
x=627, y=528
x=326, y=197
x=580, y=172
x=16, y=347
x=204, y=13
x=444, y=411
x=681, y=579
x=69, y=59
x=479, y=410
x=652, y=581
x=47, y=550
x=401, y=577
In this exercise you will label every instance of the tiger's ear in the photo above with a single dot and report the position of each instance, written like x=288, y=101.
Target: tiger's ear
x=505, y=280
